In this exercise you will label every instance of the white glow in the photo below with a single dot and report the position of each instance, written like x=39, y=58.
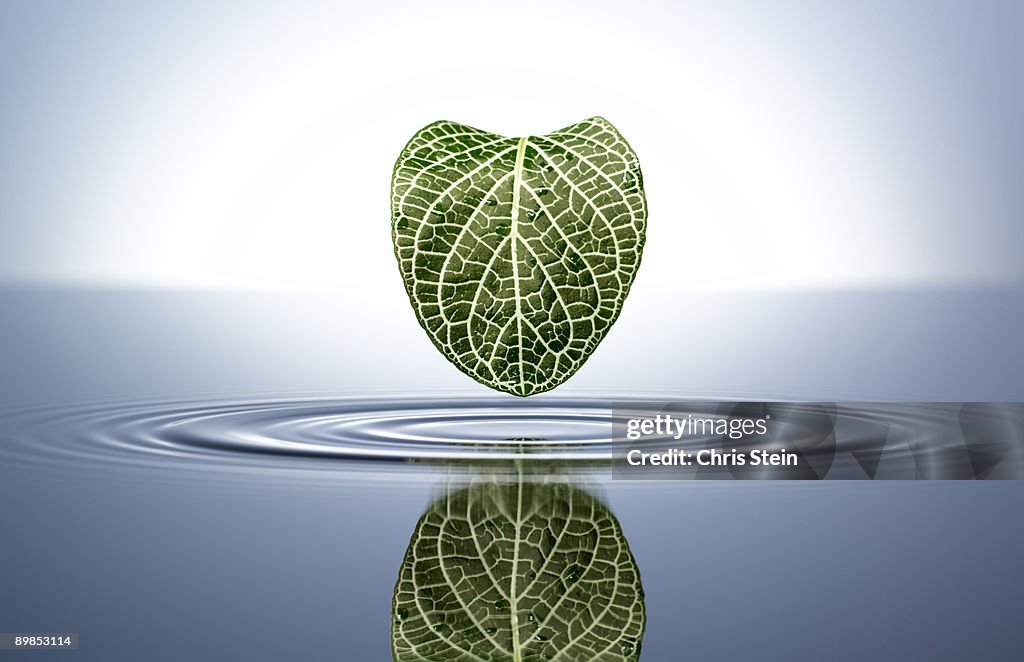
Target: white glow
x=259, y=155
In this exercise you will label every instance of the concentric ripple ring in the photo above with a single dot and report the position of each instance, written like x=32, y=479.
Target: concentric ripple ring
x=354, y=433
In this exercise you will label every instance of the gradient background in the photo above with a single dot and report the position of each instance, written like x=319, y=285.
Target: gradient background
x=784, y=145
x=835, y=207
x=194, y=198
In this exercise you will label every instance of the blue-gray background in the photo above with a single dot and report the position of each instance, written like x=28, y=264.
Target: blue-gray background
x=194, y=200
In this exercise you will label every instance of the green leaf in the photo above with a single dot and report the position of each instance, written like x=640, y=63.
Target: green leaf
x=518, y=571
x=517, y=253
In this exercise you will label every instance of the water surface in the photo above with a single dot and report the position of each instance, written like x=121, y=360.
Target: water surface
x=168, y=493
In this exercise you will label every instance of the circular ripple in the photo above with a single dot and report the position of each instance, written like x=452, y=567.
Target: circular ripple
x=350, y=433
x=396, y=429
x=288, y=433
